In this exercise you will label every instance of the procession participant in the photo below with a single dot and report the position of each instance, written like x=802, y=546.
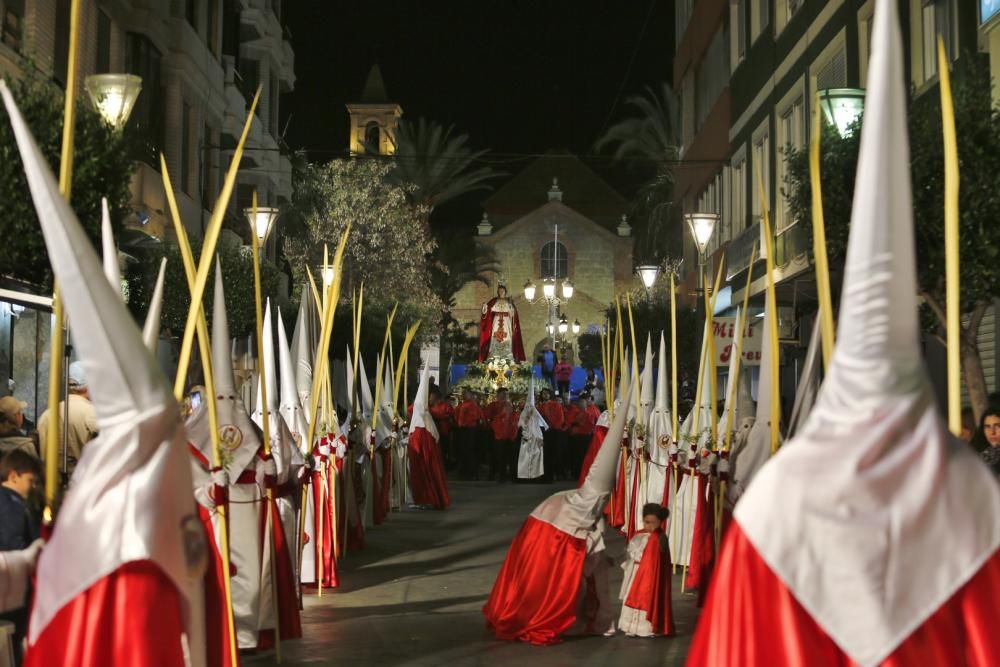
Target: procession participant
x=660, y=471
x=467, y=418
x=552, y=412
x=581, y=429
x=290, y=472
x=500, y=329
x=872, y=536
x=645, y=591
x=386, y=436
x=351, y=522
x=504, y=461
x=249, y=475
x=596, y=439
x=536, y=594
x=530, y=456
x=443, y=413
x=136, y=587
x=484, y=436
x=427, y=477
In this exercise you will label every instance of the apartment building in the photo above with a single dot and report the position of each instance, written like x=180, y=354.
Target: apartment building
x=201, y=62
x=759, y=64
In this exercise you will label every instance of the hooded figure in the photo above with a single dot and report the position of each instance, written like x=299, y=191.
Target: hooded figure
x=812, y=372
x=304, y=343
x=251, y=583
x=352, y=463
x=427, y=478
x=636, y=468
x=659, y=444
x=537, y=589
x=127, y=552
x=871, y=538
x=385, y=438
x=530, y=458
x=290, y=471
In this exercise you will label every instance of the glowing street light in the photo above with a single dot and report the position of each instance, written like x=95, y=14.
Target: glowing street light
x=263, y=222
x=549, y=288
x=702, y=226
x=567, y=289
x=529, y=291
x=563, y=325
x=842, y=107
x=576, y=327
x=648, y=274
x=113, y=96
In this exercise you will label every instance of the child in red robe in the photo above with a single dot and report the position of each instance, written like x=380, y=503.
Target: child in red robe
x=645, y=590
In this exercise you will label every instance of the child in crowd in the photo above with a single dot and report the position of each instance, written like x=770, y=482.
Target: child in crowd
x=645, y=591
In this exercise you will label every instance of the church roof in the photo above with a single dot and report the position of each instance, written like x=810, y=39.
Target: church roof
x=582, y=190
x=374, y=91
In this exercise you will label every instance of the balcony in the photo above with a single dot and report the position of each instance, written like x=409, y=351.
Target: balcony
x=739, y=249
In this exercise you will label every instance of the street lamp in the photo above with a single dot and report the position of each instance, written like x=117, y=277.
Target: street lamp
x=842, y=107
x=529, y=291
x=549, y=288
x=563, y=325
x=550, y=328
x=702, y=225
x=113, y=96
x=567, y=289
x=326, y=271
x=261, y=221
x=648, y=273
x=576, y=327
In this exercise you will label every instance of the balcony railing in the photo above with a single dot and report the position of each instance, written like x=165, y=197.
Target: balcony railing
x=739, y=249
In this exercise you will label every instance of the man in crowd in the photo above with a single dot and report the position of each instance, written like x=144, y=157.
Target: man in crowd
x=581, y=430
x=467, y=418
x=19, y=471
x=11, y=424
x=547, y=361
x=503, y=464
x=553, y=414
x=444, y=415
x=563, y=373
x=81, y=427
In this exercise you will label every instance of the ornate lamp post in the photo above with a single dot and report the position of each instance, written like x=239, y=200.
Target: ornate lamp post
x=842, y=107
x=113, y=96
x=261, y=223
x=648, y=273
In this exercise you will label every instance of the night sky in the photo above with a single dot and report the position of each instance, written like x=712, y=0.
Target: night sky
x=520, y=77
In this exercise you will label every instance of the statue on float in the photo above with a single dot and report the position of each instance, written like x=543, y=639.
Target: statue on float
x=500, y=329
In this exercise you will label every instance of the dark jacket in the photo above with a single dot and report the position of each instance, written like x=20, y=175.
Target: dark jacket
x=17, y=527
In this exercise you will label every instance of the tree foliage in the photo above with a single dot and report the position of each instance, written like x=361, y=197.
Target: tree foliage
x=977, y=124
x=101, y=168
x=650, y=135
x=388, y=247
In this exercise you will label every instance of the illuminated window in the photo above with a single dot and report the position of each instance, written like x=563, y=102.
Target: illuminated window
x=555, y=260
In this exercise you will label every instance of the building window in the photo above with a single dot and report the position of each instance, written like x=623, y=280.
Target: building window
x=738, y=194
x=208, y=168
x=186, y=147
x=60, y=55
x=712, y=77
x=737, y=33
x=761, y=164
x=103, y=43
x=555, y=260
x=866, y=18
x=791, y=136
x=12, y=26
x=759, y=18
x=146, y=122
x=373, y=136
x=784, y=10
x=250, y=77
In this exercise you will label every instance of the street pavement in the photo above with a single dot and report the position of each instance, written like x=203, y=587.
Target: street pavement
x=413, y=596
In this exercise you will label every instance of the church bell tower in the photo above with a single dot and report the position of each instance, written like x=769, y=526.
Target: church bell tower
x=374, y=118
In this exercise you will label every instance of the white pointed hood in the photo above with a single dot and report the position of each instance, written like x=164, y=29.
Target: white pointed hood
x=875, y=515
x=289, y=406
x=237, y=435
x=385, y=415
x=531, y=421
x=730, y=401
x=809, y=382
x=576, y=511
x=365, y=399
x=304, y=345
x=625, y=381
x=660, y=439
x=131, y=497
x=269, y=368
x=647, y=393
x=421, y=410
x=108, y=248
x=151, y=327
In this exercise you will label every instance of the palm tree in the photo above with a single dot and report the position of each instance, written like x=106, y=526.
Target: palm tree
x=650, y=134
x=437, y=163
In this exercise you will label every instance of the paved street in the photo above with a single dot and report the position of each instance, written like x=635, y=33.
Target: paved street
x=413, y=596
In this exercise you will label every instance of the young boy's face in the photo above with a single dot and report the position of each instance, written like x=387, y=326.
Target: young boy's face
x=20, y=483
x=651, y=523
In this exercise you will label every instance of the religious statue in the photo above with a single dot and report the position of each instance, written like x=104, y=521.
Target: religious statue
x=499, y=329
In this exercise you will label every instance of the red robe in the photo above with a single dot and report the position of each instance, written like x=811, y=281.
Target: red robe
x=427, y=478
x=114, y=623
x=595, y=446
x=325, y=548
x=752, y=619
x=703, y=545
x=286, y=588
x=218, y=649
x=534, y=598
x=382, y=484
x=650, y=589
x=486, y=333
x=615, y=511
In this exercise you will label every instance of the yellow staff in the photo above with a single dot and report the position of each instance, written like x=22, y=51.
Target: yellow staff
x=819, y=241
x=772, y=323
x=205, y=350
x=953, y=315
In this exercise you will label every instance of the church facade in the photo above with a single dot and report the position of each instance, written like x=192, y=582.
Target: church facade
x=556, y=219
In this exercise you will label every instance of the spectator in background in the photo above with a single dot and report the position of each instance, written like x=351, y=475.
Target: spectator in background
x=581, y=429
x=987, y=438
x=467, y=418
x=19, y=471
x=503, y=466
x=563, y=373
x=553, y=443
x=968, y=432
x=444, y=416
x=590, y=384
x=82, y=425
x=547, y=361
x=11, y=422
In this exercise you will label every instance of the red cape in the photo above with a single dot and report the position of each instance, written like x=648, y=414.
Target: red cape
x=596, y=440
x=615, y=511
x=650, y=589
x=486, y=332
x=324, y=548
x=752, y=619
x=534, y=598
x=217, y=642
x=703, y=544
x=289, y=620
x=427, y=478
x=128, y=618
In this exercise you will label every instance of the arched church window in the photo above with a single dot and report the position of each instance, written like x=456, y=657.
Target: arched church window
x=555, y=260
x=373, y=137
